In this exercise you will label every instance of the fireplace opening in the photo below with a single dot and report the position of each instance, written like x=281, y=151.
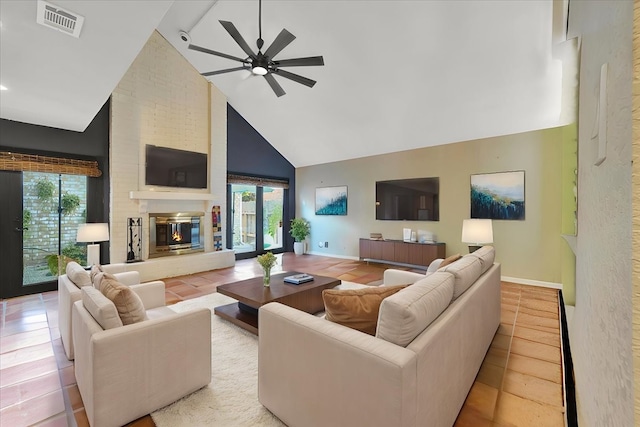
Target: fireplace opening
x=175, y=233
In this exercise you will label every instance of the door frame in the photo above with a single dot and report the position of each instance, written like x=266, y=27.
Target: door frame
x=259, y=224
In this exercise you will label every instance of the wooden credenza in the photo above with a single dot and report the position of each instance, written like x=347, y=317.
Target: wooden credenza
x=400, y=252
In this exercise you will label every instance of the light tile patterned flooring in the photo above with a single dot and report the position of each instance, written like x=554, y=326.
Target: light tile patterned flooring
x=519, y=383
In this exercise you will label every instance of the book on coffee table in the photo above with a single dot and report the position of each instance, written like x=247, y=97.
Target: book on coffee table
x=298, y=278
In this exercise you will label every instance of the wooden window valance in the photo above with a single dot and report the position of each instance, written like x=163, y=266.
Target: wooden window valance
x=10, y=161
x=257, y=181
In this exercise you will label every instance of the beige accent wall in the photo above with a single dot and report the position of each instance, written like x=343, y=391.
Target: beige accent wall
x=529, y=249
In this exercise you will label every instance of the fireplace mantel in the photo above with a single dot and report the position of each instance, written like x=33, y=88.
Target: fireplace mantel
x=169, y=195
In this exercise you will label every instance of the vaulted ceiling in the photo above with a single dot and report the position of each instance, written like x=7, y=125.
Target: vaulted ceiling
x=398, y=75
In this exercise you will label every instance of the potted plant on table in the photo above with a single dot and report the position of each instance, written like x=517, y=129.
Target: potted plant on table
x=299, y=230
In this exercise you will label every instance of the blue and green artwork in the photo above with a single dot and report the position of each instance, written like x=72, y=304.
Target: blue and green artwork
x=498, y=195
x=331, y=200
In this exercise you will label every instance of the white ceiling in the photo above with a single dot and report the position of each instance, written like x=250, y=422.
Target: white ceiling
x=398, y=75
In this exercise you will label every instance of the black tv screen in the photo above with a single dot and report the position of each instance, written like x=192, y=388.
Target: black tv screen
x=415, y=199
x=169, y=167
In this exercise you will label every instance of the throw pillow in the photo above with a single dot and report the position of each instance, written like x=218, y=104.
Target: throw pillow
x=77, y=274
x=357, y=308
x=450, y=259
x=97, y=278
x=95, y=269
x=127, y=302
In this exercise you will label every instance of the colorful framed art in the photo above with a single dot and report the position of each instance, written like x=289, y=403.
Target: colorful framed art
x=498, y=195
x=331, y=200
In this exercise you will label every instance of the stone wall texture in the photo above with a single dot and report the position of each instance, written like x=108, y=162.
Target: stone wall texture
x=601, y=330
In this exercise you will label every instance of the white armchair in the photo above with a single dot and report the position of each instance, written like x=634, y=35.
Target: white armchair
x=69, y=292
x=126, y=372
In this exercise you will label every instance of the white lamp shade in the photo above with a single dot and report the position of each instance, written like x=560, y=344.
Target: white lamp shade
x=477, y=231
x=93, y=232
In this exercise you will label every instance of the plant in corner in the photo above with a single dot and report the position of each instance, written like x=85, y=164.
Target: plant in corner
x=299, y=230
x=266, y=261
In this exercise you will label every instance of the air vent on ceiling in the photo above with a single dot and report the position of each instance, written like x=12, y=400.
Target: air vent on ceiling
x=59, y=19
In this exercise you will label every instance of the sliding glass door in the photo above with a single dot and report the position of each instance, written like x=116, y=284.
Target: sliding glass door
x=53, y=206
x=255, y=224
x=243, y=219
x=272, y=210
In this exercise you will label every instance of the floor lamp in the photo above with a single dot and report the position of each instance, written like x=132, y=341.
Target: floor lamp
x=476, y=232
x=92, y=233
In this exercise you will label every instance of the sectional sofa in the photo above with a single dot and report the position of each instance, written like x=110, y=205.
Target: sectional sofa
x=431, y=339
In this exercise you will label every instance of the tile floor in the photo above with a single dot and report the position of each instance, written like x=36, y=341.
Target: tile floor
x=519, y=383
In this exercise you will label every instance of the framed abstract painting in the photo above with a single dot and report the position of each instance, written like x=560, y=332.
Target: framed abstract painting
x=331, y=200
x=498, y=195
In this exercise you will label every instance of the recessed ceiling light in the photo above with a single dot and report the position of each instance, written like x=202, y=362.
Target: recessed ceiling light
x=3, y=87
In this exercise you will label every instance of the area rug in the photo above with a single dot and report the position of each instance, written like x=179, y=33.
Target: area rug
x=231, y=399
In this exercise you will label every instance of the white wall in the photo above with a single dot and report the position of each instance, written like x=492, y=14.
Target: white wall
x=601, y=327
x=162, y=100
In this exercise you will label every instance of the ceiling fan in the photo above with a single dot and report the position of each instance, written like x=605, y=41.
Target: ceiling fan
x=264, y=64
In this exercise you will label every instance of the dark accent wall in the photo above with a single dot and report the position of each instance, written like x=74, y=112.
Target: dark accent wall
x=248, y=153
x=92, y=144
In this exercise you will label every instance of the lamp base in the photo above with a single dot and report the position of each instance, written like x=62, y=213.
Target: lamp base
x=93, y=254
x=473, y=248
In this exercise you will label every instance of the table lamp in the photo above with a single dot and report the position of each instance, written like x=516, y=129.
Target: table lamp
x=92, y=233
x=477, y=232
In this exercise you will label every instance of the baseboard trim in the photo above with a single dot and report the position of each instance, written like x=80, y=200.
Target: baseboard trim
x=530, y=282
x=353, y=258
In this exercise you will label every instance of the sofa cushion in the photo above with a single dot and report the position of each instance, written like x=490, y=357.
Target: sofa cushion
x=466, y=270
x=404, y=315
x=486, y=255
x=77, y=274
x=127, y=302
x=449, y=260
x=101, y=308
x=357, y=308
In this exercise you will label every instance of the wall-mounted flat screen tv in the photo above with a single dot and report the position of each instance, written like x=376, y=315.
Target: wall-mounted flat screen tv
x=415, y=199
x=169, y=167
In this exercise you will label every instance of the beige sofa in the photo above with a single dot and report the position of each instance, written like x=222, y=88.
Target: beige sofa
x=431, y=339
x=69, y=285
x=127, y=371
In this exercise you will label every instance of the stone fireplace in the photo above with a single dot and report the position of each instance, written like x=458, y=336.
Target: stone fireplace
x=175, y=233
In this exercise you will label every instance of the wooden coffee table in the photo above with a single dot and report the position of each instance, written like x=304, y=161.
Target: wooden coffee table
x=252, y=294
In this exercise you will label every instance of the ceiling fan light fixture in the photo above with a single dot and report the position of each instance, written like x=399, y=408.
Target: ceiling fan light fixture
x=263, y=64
x=259, y=71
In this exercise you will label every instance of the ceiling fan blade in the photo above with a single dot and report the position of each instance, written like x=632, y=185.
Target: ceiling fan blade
x=233, y=31
x=274, y=85
x=300, y=62
x=296, y=78
x=228, y=70
x=213, y=52
x=282, y=41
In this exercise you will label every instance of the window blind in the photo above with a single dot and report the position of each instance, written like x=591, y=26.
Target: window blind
x=10, y=161
x=257, y=181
